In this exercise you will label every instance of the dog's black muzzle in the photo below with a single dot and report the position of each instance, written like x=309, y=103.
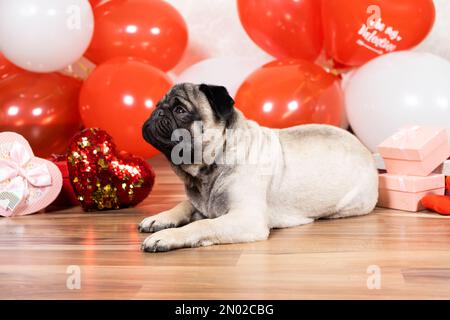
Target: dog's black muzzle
x=157, y=130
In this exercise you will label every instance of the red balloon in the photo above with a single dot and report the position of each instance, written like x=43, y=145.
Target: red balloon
x=359, y=30
x=148, y=29
x=286, y=93
x=41, y=107
x=285, y=29
x=118, y=96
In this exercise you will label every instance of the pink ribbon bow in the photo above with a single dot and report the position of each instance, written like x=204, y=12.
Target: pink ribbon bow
x=20, y=175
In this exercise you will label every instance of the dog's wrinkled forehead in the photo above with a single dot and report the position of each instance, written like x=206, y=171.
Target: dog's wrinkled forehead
x=190, y=96
x=210, y=102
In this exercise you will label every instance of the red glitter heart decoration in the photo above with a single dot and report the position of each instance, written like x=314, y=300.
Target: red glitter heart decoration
x=104, y=178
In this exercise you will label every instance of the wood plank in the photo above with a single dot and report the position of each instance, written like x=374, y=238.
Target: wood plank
x=326, y=259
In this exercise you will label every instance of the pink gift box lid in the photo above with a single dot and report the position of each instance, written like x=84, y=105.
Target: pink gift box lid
x=413, y=142
x=411, y=183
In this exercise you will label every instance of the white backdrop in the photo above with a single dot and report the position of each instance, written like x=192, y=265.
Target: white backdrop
x=214, y=31
x=438, y=41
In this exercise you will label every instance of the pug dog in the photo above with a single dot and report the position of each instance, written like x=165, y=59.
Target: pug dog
x=301, y=174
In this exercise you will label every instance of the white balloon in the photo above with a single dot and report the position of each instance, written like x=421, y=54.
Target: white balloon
x=45, y=35
x=225, y=71
x=398, y=89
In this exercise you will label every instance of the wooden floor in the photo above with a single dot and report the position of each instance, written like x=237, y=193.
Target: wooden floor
x=327, y=259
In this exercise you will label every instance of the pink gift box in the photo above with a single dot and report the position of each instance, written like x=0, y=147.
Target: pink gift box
x=405, y=192
x=413, y=143
x=418, y=168
x=415, y=150
x=407, y=201
x=411, y=183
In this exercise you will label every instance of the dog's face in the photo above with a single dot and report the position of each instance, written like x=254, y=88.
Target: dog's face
x=183, y=107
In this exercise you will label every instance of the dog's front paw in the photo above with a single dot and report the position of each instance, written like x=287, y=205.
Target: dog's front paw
x=155, y=223
x=162, y=241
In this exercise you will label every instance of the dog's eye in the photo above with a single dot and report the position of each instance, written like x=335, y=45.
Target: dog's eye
x=179, y=110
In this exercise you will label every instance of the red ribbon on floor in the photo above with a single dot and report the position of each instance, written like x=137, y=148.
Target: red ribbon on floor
x=437, y=203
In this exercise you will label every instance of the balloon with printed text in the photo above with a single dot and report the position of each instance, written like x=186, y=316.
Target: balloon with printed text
x=357, y=31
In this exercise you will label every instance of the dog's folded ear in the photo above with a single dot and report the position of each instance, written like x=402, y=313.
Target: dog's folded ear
x=219, y=99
